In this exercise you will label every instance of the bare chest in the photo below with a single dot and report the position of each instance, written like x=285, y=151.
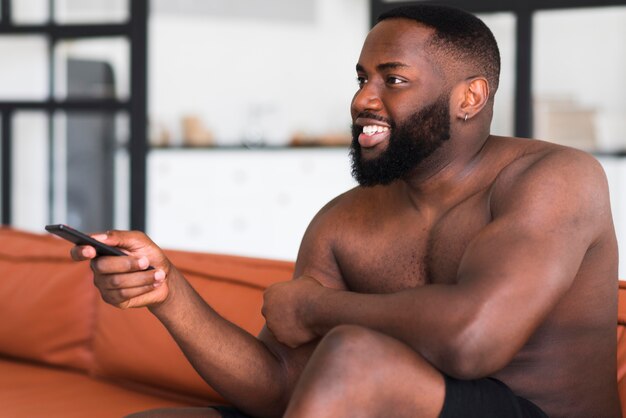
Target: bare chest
x=394, y=253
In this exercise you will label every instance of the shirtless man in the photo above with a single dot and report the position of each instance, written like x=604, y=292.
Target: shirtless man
x=468, y=276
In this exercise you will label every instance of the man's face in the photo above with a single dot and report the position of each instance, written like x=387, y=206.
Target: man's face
x=410, y=142
x=400, y=113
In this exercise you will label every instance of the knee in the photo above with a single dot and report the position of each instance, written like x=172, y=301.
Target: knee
x=348, y=343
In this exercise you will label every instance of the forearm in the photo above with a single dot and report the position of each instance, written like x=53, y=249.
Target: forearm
x=438, y=321
x=236, y=364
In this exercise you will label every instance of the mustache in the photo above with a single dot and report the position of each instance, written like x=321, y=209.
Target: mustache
x=373, y=116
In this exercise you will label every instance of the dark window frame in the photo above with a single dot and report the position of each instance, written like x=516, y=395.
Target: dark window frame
x=135, y=30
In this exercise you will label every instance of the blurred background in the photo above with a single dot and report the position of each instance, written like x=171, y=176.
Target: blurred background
x=223, y=125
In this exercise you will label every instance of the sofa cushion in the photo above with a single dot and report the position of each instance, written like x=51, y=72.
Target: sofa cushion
x=47, y=307
x=132, y=345
x=28, y=390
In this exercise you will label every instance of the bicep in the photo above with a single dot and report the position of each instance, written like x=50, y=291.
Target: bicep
x=316, y=255
x=520, y=265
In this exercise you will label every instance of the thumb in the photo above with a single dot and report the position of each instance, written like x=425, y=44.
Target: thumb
x=128, y=240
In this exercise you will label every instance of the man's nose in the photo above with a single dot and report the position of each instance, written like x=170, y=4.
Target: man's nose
x=367, y=98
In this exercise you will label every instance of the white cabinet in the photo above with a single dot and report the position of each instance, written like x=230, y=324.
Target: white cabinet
x=238, y=201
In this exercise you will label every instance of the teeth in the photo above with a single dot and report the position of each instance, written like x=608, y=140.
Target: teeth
x=374, y=129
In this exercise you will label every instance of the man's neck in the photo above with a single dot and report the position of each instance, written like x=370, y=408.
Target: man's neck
x=448, y=175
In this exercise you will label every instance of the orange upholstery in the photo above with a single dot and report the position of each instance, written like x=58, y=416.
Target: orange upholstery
x=32, y=390
x=48, y=301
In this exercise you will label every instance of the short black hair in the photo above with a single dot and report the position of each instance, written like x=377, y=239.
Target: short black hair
x=459, y=35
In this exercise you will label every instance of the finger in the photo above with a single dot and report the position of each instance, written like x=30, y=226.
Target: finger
x=129, y=280
x=129, y=290
x=82, y=252
x=122, y=297
x=119, y=264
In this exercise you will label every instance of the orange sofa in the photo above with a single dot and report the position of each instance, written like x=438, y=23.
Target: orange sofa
x=65, y=353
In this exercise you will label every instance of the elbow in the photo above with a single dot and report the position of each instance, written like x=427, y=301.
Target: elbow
x=464, y=365
x=473, y=354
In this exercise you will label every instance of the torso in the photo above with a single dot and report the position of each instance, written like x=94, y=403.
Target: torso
x=387, y=245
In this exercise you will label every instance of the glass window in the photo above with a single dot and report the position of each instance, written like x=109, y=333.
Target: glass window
x=30, y=162
x=578, y=77
x=93, y=68
x=25, y=75
x=503, y=26
x=91, y=11
x=91, y=170
x=30, y=12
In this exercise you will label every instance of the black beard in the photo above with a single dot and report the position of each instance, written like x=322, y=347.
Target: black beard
x=410, y=143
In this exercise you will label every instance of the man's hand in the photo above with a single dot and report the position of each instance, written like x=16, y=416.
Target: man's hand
x=124, y=281
x=285, y=308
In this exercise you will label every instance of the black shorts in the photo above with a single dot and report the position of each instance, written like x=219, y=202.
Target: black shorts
x=230, y=412
x=485, y=398
x=482, y=398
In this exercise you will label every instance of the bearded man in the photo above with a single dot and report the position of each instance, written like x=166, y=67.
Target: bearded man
x=469, y=275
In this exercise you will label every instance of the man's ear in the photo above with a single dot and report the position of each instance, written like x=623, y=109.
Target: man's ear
x=472, y=95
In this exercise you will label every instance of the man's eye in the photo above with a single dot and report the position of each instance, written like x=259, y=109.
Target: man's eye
x=394, y=80
x=361, y=81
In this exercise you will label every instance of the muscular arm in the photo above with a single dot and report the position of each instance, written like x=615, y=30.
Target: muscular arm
x=512, y=274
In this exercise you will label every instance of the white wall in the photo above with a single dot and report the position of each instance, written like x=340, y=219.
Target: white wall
x=301, y=76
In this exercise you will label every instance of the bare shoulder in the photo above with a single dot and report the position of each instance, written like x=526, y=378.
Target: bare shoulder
x=349, y=209
x=330, y=226
x=550, y=175
x=533, y=156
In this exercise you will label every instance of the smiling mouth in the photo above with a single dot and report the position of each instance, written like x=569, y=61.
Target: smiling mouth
x=374, y=129
x=373, y=135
